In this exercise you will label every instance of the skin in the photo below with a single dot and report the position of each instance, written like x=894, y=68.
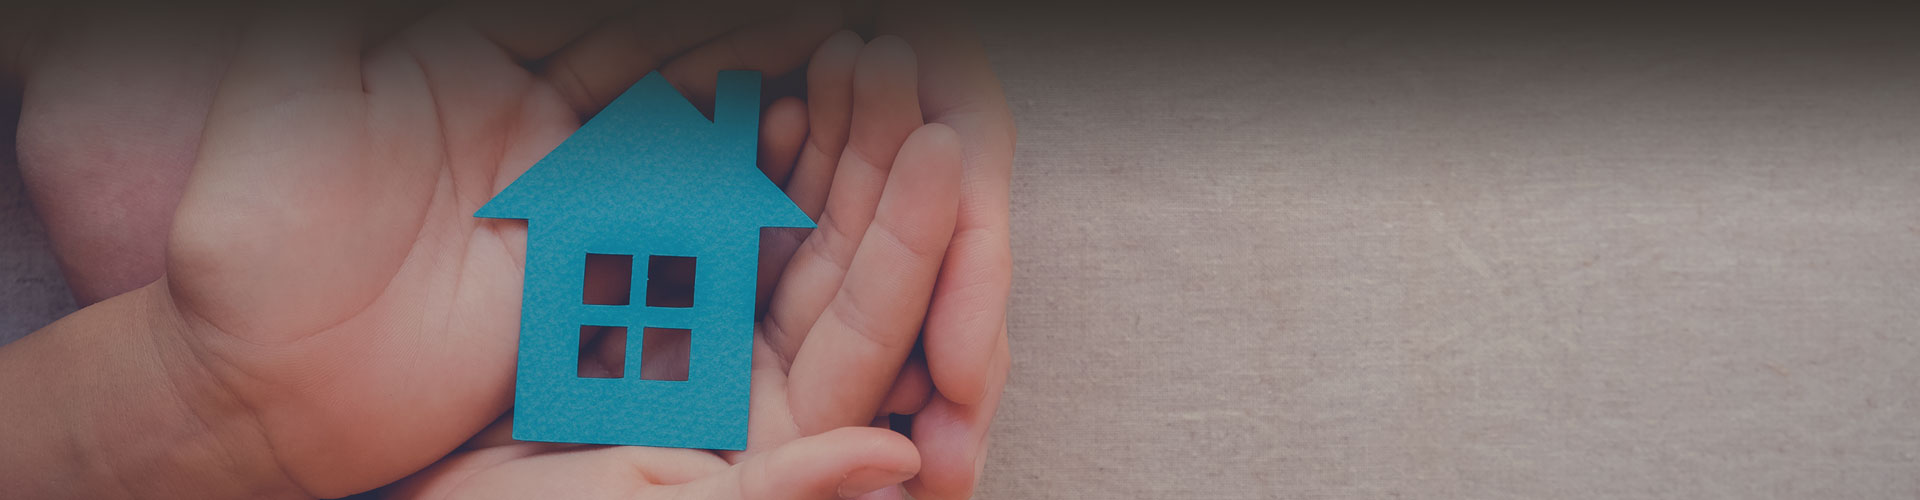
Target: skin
x=261, y=328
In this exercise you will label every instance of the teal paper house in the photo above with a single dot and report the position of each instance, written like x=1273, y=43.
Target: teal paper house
x=650, y=181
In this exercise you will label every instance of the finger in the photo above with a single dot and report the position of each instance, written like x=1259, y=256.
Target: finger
x=887, y=493
x=538, y=470
x=855, y=350
x=891, y=492
x=828, y=108
x=648, y=465
x=911, y=389
x=766, y=406
x=829, y=113
x=842, y=463
x=593, y=70
x=884, y=113
x=967, y=317
x=952, y=438
x=782, y=131
x=774, y=46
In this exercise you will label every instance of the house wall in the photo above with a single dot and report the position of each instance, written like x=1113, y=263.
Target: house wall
x=708, y=410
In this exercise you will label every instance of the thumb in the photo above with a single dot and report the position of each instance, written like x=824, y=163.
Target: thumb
x=842, y=463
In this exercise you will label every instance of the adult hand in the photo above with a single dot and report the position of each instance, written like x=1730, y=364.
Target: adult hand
x=965, y=336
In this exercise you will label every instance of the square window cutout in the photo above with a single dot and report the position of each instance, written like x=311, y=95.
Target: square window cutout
x=670, y=281
x=603, y=352
x=666, y=353
x=609, y=280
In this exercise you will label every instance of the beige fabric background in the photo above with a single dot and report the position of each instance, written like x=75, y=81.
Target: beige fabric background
x=1482, y=255
x=1474, y=255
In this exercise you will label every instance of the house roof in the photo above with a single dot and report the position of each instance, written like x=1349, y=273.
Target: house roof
x=651, y=155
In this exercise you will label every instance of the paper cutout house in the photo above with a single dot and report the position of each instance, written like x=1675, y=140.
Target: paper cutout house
x=651, y=179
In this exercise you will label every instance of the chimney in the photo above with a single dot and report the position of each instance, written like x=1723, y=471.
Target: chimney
x=736, y=110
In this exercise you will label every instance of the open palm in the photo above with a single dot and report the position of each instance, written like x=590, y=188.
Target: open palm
x=325, y=259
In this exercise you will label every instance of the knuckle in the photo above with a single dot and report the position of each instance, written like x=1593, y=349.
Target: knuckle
x=856, y=315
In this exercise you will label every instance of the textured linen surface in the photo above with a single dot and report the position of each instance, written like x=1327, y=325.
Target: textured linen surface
x=1269, y=254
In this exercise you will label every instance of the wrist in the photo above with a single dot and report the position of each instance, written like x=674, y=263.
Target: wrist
x=223, y=429
x=109, y=402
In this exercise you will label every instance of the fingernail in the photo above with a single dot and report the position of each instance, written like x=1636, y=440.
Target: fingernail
x=865, y=481
x=885, y=493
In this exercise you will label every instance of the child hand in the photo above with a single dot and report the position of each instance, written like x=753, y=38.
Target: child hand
x=332, y=317
x=853, y=298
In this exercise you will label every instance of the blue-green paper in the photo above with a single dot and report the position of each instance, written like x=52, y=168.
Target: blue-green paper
x=649, y=175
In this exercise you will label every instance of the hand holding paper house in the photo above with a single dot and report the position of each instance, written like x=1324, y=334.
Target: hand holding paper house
x=648, y=179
